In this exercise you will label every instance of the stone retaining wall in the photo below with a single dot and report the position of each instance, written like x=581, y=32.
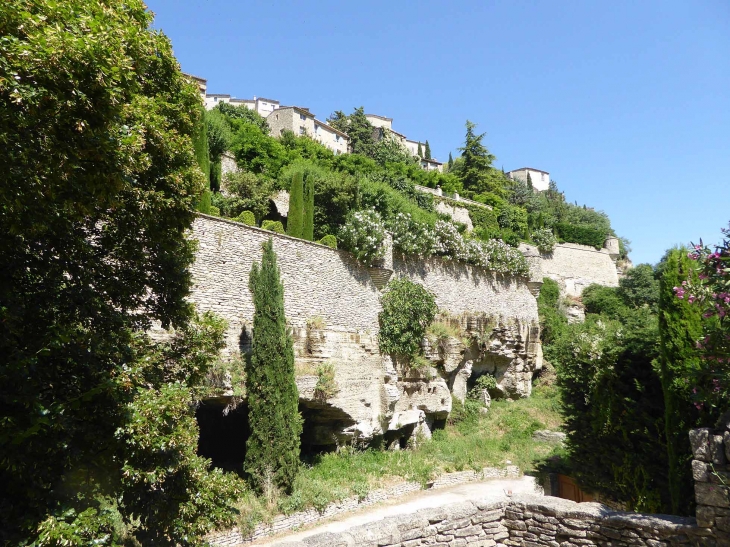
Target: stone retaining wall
x=520, y=521
x=283, y=523
x=574, y=266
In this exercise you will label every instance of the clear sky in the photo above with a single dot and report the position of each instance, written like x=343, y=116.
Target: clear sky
x=625, y=103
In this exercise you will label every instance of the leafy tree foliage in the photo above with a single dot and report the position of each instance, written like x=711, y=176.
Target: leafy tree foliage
x=245, y=191
x=272, y=450
x=613, y=406
x=219, y=140
x=408, y=308
x=295, y=217
x=476, y=172
x=100, y=187
x=358, y=128
x=552, y=320
x=419, y=152
x=244, y=114
x=680, y=326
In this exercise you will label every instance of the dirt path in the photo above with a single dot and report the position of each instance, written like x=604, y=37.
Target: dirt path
x=493, y=490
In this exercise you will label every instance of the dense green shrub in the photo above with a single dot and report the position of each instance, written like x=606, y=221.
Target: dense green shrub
x=246, y=192
x=99, y=186
x=601, y=299
x=247, y=217
x=481, y=217
x=552, y=319
x=614, y=408
x=273, y=226
x=214, y=211
x=680, y=327
x=330, y=241
x=272, y=449
x=295, y=217
x=580, y=234
x=408, y=309
x=640, y=287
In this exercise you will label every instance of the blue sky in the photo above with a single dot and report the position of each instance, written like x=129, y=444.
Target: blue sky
x=625, y=103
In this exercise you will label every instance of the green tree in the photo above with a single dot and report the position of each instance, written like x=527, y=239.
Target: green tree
x=272, y=449
x=680, y=326
x=476, y=171
x=552, y=320
x=640, y=287
x=295, y=217
x=200, y=143
x=219, y=140
x=451, y=161
x=427, y=151
x=244, y=114
x=420, y=151
x=408, y=308
x=529, y=182
x=99, y=190
x=308, y=227
x=358, y=129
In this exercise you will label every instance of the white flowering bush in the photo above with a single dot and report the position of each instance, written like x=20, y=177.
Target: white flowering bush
x=363, y=235
x=544, y=239
x=448, y=242
x=411, y=237
x=504, y=259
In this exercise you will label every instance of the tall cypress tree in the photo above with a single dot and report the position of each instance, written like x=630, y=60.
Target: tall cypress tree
x=200, y=145
x=308, y=228
x=295, y=218
x=451, y=161
x=420, y=151
x=680, y=326
x=427, y=151
x=272, y=449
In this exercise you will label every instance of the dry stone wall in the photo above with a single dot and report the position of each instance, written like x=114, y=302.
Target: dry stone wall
x=282, y=523
x=520, y=521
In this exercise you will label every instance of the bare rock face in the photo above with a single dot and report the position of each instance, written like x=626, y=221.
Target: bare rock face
x=376, y=396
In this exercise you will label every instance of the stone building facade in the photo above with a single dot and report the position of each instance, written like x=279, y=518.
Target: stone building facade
x=301, y=121
x=540, y=179
x=261, y=105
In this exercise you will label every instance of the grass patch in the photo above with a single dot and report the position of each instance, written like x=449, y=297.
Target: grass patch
x=475, y=441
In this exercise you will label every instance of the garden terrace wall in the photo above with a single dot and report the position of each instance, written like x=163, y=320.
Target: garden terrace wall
x=575, y=267
x=322, y=282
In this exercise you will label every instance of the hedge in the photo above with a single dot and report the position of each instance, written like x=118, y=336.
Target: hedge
x=570, y=233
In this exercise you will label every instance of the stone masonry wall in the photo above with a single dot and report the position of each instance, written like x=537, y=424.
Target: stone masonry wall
x=520, y=521
x=321, y=282
x=575, y=267
x=461, y=288
x=711, y=473
x=283, y=523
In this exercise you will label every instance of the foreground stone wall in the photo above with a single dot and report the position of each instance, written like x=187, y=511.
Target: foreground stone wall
x=282, y=523
x=574, y=266
x=521, y=521
x=711, y=473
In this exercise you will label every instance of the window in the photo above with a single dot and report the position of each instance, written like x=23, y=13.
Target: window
x=277, y=116
x=302, y=117
x=337, y=138
x=316, y=128
x=302, y=131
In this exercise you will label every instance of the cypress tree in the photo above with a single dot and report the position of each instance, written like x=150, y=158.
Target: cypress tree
x=272, y=449
x=420, y=150
x=451, y=161
x=308, y=228
x=200, y=144
x=295, y=219
x=680, y=326
x=427, y=151
x=529, y=181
